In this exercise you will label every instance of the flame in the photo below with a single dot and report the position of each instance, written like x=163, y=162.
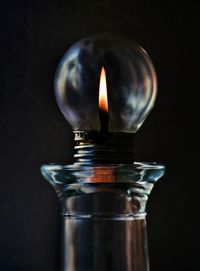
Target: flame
x=103, y=97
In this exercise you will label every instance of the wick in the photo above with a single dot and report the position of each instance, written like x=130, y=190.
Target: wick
x=104, y=119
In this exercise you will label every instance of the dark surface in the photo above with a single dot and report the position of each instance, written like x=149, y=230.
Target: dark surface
x=34, y=36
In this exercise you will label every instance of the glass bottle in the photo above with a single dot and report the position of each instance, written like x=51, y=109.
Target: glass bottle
x=103, y=214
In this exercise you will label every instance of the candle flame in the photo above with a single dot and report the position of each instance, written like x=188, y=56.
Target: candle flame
x=103, y=97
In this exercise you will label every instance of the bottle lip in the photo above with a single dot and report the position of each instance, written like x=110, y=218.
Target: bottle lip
x=138, y=172
x=80, y=167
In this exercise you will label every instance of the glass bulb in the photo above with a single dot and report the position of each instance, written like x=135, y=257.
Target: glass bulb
x=130, y=80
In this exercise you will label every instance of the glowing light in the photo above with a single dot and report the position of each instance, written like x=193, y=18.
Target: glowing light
x=103, y=96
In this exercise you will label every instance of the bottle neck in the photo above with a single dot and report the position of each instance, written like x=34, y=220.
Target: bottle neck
x=104, y=228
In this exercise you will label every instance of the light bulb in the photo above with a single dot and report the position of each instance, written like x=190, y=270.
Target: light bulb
x=129, y=84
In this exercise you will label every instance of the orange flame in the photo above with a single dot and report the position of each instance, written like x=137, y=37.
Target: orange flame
x=103, y=97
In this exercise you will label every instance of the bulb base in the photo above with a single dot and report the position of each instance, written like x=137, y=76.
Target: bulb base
x=103, y=148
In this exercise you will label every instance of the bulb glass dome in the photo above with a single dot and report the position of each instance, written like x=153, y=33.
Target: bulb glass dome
x=131, y=84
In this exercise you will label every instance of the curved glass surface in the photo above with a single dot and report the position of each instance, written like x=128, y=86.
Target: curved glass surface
x=137, y=173
x=130, y=79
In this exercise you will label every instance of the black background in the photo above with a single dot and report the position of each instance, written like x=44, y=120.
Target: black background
x=34, y=36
